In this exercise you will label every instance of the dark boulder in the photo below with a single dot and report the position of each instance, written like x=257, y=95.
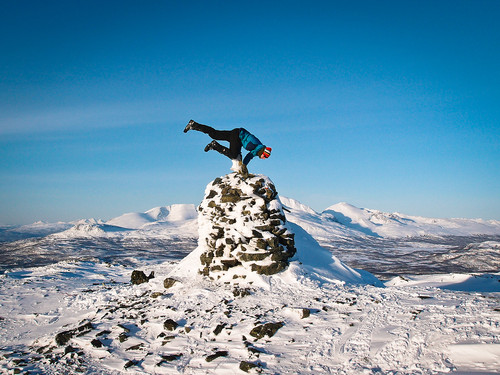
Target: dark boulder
x=169, y=282
x=139, y=277
x=268, y=329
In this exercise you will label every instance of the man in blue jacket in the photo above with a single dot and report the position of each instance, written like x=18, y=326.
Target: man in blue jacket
x=237, y=139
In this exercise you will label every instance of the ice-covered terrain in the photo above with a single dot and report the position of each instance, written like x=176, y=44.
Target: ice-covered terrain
x=67, y=305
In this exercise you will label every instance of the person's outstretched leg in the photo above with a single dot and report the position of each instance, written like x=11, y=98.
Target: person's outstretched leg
x=214, y=145
x=234, y=150
x=231, y=136
x=220, y=135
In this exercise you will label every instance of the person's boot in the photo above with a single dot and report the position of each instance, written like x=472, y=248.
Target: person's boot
x=214, y=145
x=190, y=126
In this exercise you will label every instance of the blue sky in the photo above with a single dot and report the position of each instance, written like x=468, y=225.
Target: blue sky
x=391, y=105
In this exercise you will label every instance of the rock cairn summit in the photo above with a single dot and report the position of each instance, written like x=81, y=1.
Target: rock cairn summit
x=242, y=227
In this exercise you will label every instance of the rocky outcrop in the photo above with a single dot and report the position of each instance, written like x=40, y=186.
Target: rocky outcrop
x=242, y=225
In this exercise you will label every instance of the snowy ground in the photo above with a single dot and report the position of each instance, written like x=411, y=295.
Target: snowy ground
x=408, y=327
x=441, y=314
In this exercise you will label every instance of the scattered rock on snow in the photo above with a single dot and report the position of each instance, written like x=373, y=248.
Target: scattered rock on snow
x=241, y=292
x=139, y=277
x=247, y=366
x=170, y=325
x=268, y=329
x=169, y=282
x=169, y=358
x=306, y=313
x=131, y=363
x=96, y=343
x=219, y=328
x=220, y=353
x=62, y=338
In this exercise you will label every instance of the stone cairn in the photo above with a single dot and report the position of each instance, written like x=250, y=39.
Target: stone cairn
x=242, y=227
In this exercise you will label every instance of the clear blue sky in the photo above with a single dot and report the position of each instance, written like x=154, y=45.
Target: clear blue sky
x=392, y=105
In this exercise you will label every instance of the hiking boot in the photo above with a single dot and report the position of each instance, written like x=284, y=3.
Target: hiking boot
x=211, y=146
x=191, y=125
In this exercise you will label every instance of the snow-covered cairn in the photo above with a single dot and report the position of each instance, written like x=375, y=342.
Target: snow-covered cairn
x=242, y=224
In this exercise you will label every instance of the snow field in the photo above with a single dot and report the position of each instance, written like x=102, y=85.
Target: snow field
x=327, y=327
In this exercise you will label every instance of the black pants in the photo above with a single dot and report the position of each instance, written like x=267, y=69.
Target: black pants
x=231, y=136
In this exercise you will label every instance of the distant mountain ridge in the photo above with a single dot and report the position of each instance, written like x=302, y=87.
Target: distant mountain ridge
x=338, y=220
x=346, y=219
x=174, y=212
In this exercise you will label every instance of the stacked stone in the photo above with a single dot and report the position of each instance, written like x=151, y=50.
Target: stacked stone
x=242, y=224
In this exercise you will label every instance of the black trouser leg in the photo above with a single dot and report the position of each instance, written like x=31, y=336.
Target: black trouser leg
x=231, y=136
x=219, y=135
x=220, y=149
x=235, y=144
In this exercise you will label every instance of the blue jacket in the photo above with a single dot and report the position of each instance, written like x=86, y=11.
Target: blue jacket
x=250, y=143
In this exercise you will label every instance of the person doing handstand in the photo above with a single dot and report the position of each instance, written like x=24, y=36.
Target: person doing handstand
x=237, y=138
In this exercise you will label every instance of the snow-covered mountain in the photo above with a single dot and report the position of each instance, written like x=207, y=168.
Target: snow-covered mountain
x=340, y=220
x=173, y=213
x=343, y=219
x=378, y=223
x=382, y=243
x=38, y=229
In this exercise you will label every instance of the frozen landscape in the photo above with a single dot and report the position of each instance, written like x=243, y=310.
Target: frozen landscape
x=365, y=292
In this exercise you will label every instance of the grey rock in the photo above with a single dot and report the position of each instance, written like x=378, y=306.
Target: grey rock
x=268, y=329
x=247, y=366
x=221, y=353
x=139, y=277
x=170, y=325
x=169, y=282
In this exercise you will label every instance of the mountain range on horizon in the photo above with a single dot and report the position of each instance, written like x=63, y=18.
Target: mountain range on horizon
x=341, y=219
